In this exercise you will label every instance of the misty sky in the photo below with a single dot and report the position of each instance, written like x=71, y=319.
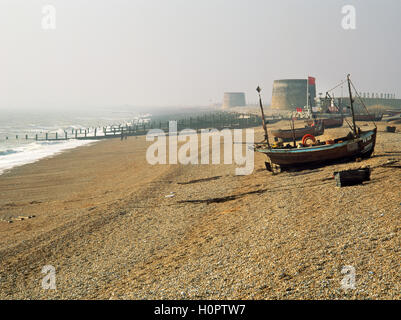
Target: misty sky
x=188, y=52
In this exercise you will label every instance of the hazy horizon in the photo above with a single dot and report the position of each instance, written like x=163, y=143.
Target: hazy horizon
x=154, y=53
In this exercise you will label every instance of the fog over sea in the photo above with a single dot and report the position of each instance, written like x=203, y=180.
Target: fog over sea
x=15, y=152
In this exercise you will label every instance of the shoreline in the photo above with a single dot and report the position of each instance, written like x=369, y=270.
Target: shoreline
x=29, y=156
x=103, y=220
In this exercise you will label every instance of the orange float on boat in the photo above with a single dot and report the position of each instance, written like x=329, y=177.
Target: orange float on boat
x=307, y=137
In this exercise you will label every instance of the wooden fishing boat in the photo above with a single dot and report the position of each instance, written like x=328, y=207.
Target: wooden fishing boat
x=349, y=147
x=333, y=122
x=368, y=117
x=357, y=144
x=316, y=129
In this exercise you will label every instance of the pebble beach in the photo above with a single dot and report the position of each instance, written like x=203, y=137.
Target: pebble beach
x=115, y=227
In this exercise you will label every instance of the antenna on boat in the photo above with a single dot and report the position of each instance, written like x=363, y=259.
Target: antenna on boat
x=258, y=89
x=352, y=105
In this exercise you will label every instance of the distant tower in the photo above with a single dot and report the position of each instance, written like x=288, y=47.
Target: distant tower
x=290, y=94
x=234, y=99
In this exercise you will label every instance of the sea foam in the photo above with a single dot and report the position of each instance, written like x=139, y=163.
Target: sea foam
x=32, y=152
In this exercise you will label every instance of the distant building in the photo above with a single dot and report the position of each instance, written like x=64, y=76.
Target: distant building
x=292, y=94
x=234, y=99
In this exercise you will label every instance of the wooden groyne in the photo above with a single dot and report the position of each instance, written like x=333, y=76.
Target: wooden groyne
x=218, y=120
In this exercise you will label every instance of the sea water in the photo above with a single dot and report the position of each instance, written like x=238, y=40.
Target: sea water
x=15, y=152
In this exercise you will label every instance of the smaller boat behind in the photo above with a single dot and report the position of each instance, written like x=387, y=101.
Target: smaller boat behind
x=368, y=117
x=330, y=122
x=315, y=128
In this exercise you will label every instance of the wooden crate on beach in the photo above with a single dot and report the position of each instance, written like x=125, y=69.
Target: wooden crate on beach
x=352, y=177
x=390, y=129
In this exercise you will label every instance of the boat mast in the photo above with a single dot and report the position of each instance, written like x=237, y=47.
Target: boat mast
x=292, y=124
x=352, y=105
x=258, y=89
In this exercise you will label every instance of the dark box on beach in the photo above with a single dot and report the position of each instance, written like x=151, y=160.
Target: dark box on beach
x=390, y=129
x=352, y=177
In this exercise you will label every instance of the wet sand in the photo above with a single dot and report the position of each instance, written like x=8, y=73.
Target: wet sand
x=102, y=219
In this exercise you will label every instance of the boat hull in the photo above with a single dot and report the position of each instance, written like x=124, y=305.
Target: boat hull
x=333, y=122
x=288, y=135
x=368, y=117
x=330, y=122
x=360, y=147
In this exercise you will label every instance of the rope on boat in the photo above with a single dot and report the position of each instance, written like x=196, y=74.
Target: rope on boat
x=340, y=84
x=360, y=99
